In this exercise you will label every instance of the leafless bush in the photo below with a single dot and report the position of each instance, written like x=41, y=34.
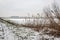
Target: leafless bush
x=51, y=14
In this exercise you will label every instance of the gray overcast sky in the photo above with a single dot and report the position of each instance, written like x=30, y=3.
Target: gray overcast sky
x=22, y=7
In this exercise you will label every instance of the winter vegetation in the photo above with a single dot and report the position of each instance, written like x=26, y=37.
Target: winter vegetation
x=38, y=27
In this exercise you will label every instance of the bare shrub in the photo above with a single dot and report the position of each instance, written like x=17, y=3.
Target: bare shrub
x=51, y=14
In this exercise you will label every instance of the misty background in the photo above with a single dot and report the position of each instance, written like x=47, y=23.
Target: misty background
x=23, y=7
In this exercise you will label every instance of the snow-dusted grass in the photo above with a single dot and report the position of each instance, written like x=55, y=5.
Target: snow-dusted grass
x=22, y=33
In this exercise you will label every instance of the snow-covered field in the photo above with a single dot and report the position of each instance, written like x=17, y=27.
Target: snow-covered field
x=10, y=32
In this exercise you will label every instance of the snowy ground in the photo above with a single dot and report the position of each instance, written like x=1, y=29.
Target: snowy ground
x=22, y=33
